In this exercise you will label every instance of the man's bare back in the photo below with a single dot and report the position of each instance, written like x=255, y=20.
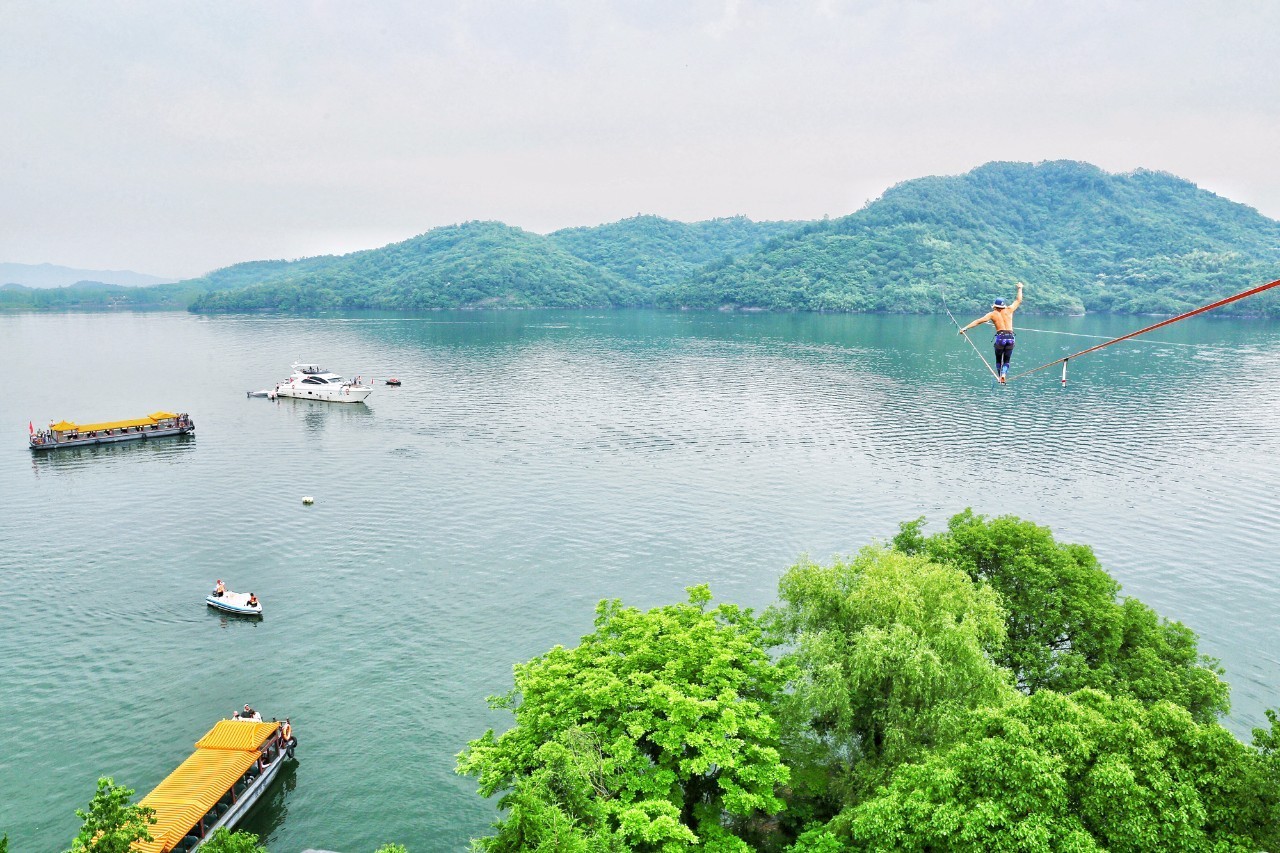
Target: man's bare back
x=1000, y=316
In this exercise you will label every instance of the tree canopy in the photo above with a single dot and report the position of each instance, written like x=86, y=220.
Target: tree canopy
x=112, y=822
x=654, y=733
x=981, y=687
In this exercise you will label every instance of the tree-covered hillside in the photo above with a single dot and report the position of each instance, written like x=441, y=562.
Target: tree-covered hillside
x=94, y=295
x=475, y=264
x=1082, y=239
x=652, y=251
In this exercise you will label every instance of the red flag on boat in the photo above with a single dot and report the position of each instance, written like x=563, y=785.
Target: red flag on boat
x=31, y=428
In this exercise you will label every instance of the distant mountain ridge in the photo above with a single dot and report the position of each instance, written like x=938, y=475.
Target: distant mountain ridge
x=489, y=264
x=1081, y=238
x=52, y=275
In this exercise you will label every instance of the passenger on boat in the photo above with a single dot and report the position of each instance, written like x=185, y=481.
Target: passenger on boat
x=220, y=589
x=251, y=715
x=253, y=600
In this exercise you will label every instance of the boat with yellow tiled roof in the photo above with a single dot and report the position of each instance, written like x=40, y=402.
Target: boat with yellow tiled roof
x=232, y=766
x=69, y=434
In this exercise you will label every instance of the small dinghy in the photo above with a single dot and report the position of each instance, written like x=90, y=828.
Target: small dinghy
x=234, y=602
x=263, y=393
x=395, y=383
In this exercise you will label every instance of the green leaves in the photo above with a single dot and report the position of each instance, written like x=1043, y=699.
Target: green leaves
x=112, y=823
x=887, y=648
x=891, y=722
x=224, y=840
x=1052, y=772
x=650, y=731
x=1066, y=629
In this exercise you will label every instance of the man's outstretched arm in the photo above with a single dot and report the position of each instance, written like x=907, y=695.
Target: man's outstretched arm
x=986, y=318
x=1017, y=301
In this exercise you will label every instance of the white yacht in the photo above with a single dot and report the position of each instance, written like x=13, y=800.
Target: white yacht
x=313, y=382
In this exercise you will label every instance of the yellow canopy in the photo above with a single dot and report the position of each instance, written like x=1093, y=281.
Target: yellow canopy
x=237, y=734
x=222, y=756
x=189, y=792
x=69, y=426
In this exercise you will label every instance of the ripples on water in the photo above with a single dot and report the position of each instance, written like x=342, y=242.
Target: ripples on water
x=533, y=463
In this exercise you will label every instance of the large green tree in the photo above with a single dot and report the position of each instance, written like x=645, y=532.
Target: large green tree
x=112, y=822
x=886, y=649
x=1086, y=772
x=1066, y=628
x=654, y=733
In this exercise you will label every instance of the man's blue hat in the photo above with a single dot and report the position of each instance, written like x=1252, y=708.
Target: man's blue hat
x=999, y=303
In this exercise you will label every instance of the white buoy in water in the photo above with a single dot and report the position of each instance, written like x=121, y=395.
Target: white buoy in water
x=308, y=500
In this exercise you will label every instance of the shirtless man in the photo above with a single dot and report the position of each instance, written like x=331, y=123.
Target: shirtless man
x=1001, y=316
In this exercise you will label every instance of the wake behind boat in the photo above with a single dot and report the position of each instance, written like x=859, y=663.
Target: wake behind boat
x=313, y=382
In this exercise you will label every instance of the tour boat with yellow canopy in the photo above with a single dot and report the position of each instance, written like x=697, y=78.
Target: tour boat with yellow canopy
x=70, y=434
x=232, y=766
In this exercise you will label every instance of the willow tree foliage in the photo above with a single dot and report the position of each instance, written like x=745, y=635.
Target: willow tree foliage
x=112, y=822
x=655, y=733
x=886, y=649
x=1066, y=628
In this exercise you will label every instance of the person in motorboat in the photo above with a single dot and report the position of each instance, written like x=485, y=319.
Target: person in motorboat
x=220, y=590
x=253, y=600
x=251, y=715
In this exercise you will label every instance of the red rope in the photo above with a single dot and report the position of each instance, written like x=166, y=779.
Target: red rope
x=1251, y=292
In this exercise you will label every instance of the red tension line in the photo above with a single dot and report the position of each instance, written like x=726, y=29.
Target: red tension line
x=1251, y=292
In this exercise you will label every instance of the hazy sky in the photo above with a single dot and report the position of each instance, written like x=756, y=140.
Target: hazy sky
x=175, y=137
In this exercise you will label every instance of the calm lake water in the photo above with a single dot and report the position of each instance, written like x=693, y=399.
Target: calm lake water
x=532, y=464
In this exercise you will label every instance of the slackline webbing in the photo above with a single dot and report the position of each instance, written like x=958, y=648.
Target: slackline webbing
x=963, y=334
x=1203, y=308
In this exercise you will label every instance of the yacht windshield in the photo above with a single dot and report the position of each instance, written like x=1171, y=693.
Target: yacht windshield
x=336, y=380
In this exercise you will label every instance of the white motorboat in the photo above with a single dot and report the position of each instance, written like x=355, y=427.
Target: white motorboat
x=313, y=382
x=233, y=602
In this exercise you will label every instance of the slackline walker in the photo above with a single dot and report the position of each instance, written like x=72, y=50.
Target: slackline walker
x=1000, y=316
x=1254, y=291
x=990, y=369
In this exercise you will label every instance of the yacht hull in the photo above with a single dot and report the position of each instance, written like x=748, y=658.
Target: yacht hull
x=350, y=395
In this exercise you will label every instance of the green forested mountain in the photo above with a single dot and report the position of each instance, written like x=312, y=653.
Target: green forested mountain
x=474, y=264
x=1082, y=239
x=491, y=264
x=95, y=295
x=652, y=251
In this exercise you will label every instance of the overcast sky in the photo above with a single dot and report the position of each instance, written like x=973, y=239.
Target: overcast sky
x=176, y=137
